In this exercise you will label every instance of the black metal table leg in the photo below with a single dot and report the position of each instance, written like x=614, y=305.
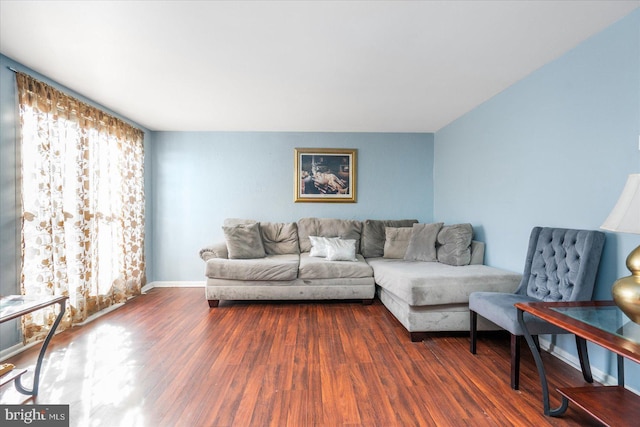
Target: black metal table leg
x=583, y=355
x=43, y=349
x=620, y=370
x=543, y=377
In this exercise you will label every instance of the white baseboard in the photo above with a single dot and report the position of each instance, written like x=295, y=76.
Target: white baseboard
x=172, y=284
x=15, y=349
x=574, y=362
x=100, y=314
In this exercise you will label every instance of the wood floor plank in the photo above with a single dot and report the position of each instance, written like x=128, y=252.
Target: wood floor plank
x=167, y=359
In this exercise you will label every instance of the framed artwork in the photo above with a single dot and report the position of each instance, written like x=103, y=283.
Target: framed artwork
x=325, y=175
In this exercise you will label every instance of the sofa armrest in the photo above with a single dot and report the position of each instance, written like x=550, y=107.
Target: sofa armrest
x=477, y=253
x=217, y=250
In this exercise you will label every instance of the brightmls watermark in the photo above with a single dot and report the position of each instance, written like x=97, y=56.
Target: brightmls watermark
x=34, y=415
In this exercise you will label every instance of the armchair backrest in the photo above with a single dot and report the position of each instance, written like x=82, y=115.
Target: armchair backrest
x=561, y=264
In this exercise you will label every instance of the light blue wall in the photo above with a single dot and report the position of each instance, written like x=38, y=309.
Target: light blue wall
x=201, y=178
x=554, y=149
x=9, y=195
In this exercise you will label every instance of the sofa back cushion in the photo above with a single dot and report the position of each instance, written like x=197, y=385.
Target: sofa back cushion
x=327, y=227
x=374, y=237
x=280, y=238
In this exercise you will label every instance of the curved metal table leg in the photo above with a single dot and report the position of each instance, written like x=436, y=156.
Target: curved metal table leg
x=43, y=349
x=543, y=377
x=583, y=355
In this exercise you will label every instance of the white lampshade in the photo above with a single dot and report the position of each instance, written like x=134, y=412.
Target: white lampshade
x=625, y=216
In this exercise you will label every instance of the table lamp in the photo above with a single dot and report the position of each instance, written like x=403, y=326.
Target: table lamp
x=625, y=218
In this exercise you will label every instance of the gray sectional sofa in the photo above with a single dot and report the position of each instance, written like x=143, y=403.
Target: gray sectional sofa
x=422, y=273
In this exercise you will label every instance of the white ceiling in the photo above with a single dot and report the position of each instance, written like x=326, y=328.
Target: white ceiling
x=362, y=66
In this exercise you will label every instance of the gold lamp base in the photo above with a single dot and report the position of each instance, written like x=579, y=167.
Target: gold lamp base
x=626, y=291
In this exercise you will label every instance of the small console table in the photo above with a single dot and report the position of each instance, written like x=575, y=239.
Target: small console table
x=602, y=323
x=14, y=306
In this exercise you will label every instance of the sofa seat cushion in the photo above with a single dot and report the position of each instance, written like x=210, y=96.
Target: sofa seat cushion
x=433, y=283
x=271, y=267
x=321, y=268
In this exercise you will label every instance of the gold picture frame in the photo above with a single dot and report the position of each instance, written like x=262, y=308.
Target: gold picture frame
x=325, y=175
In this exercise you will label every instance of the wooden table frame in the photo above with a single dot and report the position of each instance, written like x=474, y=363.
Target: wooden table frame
x=603, y=403
x=33, y=305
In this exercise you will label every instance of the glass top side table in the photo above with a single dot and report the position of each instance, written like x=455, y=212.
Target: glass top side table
x=602, y=323
x=14, y=306
x=607, y=318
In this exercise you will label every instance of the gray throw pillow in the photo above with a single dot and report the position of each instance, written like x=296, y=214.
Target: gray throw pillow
x=244, y=241
x=422, y=244
x=396, y=241
x=373, y=235
x=454, y=244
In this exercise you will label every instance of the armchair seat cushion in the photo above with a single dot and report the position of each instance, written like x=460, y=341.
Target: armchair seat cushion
x=499, y=308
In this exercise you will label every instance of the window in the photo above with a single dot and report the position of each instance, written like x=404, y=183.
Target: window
x=82, y=204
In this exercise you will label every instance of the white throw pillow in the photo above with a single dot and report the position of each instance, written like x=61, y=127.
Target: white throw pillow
x=341, y=250
x=319, y=245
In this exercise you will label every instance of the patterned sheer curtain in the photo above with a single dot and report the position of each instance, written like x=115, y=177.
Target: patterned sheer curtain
x=82, y=205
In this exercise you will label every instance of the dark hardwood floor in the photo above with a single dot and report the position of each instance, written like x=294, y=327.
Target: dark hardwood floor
x=167, y=359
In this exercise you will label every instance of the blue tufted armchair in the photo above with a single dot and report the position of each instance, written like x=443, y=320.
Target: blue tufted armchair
x=561, y=265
